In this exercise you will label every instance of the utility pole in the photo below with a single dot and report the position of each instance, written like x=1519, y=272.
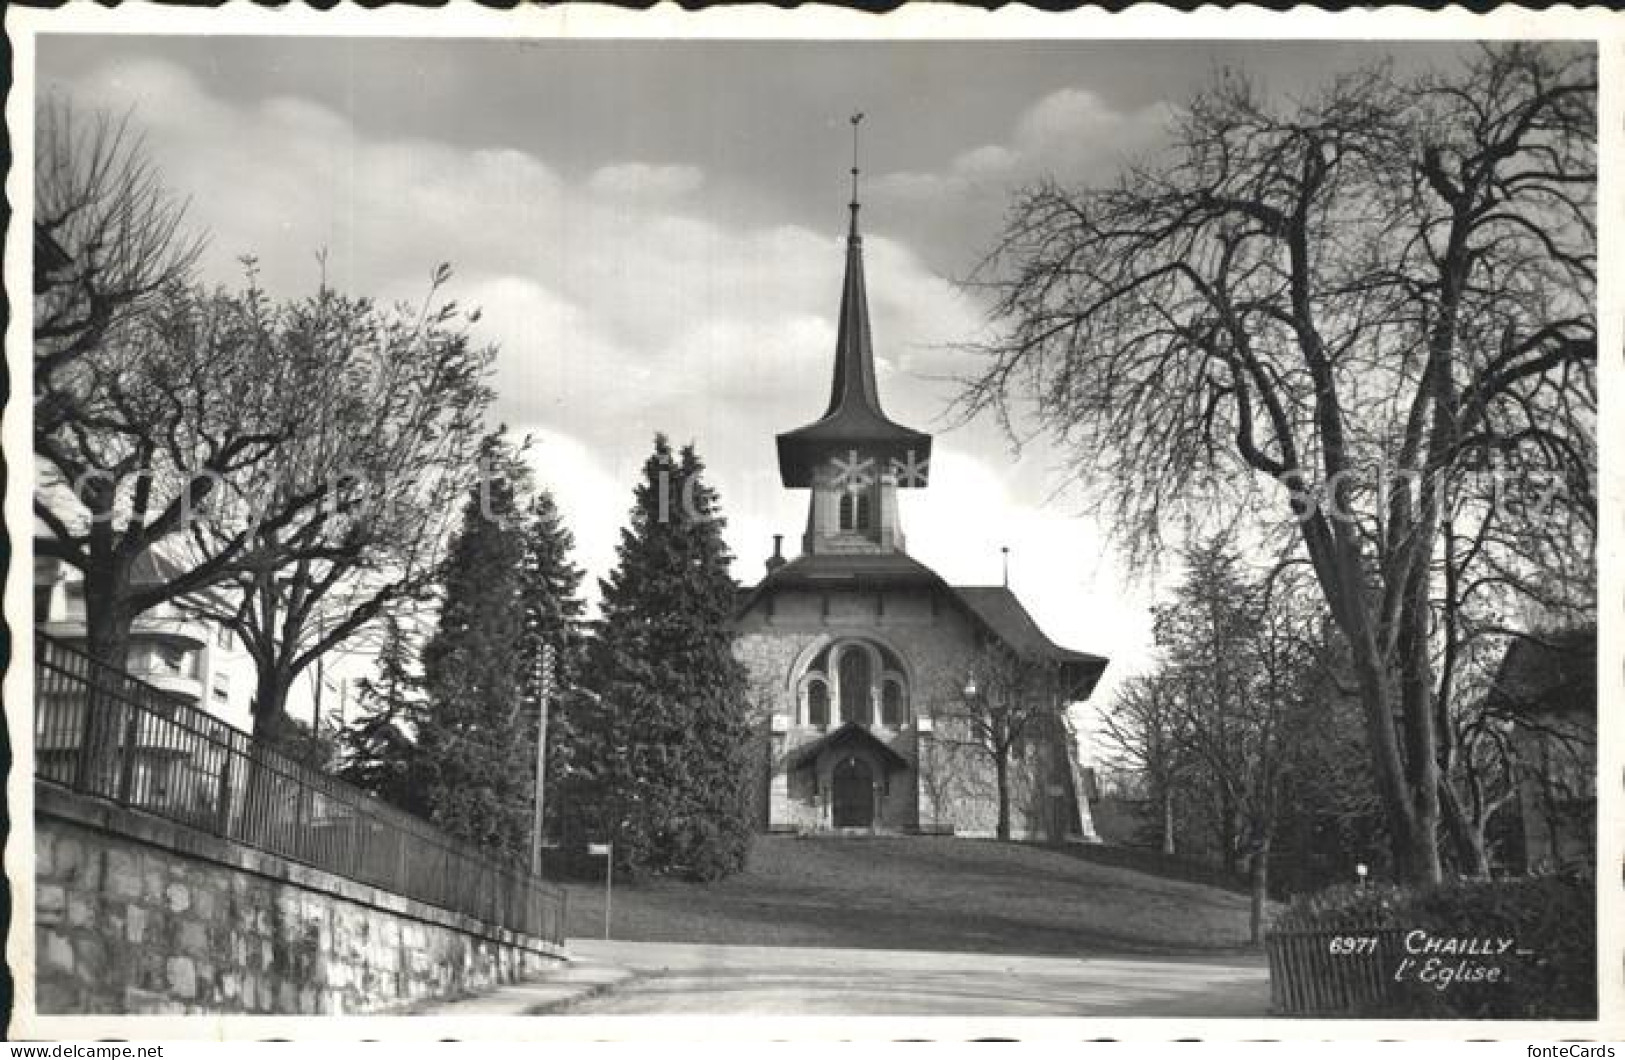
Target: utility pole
x=544, y=693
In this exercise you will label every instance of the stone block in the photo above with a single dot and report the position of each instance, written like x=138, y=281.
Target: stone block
x=123, y=874
x=179, y=897
x=81, y=912
x=44, y=855
x=182, y=975
x=194, y=938
x=135, y=924
x=58, y=952
x=69, y=855
x=50, y=902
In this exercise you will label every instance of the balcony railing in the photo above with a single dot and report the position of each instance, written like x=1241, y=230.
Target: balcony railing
x=100, y=732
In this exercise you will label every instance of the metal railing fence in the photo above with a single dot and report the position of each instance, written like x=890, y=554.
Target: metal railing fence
x=100, y=732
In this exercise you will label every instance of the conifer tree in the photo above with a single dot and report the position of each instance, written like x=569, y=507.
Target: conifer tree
x=665, y=746
x=379, y=749
x=476, y=738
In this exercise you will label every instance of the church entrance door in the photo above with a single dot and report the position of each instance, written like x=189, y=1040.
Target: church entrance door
x=854, y=794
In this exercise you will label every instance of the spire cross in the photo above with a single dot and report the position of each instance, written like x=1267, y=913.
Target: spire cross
x=855, y=119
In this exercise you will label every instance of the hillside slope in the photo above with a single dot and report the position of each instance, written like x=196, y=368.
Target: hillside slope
x=923, y=893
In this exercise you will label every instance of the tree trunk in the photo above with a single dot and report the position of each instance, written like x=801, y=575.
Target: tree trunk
x=1168, y=820
x=1412, y=840
x=108, y=622
x=1229, y=835
x=270, y=704
x=1001, y=767
x=1258, y=871
x=1466, y=835
x=268, y=801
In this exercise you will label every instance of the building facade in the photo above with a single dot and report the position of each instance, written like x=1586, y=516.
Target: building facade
x=196, y=660
x=866, y=663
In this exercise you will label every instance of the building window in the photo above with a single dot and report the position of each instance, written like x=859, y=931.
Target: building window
x=73, y=605
x=165, y=660
x=222, y=689
x=844, y=681
x=893, y=711
x=856, y=680
x=222, y=636
x=817, y=702
x=856, y=512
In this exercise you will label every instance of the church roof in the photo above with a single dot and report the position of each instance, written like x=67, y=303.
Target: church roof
x=994, y=608
x=854, y=419
x=1548, y=674
x=890, y=568
x=1003, y=612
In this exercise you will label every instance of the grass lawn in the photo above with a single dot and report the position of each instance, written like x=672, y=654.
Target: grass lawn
x=928, y=893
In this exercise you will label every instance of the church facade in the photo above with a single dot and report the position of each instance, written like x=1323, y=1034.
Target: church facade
x=865, y=663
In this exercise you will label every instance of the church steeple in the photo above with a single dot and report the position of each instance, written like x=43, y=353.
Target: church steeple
x=854, y=423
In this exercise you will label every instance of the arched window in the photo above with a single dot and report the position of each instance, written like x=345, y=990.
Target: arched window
x=856, y=702
x=817, y=702
x=893, y=711
x=857, y=681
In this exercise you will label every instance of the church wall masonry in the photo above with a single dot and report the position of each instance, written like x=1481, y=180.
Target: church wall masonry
x=952, y=785
x=135, y=915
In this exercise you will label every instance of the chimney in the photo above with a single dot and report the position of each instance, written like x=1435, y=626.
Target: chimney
x=776, y=560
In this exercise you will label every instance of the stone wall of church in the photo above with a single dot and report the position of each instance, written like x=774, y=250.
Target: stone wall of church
x=953, y=785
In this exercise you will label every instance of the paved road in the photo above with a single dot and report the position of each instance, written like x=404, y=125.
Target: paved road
x=762, y=980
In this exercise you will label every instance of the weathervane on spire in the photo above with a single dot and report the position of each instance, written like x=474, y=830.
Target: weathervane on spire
x=855, y=119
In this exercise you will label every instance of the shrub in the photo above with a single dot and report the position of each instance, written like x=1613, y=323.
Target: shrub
x=1550, y=974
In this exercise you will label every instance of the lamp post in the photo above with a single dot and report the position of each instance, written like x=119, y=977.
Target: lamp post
x=544, y=693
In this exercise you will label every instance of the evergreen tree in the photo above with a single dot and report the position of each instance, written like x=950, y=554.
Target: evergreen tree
x=664, y=750
x=476, y=738
x=379, y=749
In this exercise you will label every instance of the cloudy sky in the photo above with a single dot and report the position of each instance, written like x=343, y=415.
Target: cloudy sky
x=654, y=233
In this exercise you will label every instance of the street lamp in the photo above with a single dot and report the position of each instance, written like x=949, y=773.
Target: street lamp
x=544, y=692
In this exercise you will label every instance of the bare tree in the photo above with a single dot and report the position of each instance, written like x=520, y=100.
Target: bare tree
x=185, y=398
x=1141, y=729
x=1007, y=701
x=390, y=449
x=1339, y=303
x=100, y=201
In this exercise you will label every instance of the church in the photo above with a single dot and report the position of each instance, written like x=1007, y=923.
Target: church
x=865, y=662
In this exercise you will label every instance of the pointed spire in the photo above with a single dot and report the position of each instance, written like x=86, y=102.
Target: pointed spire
x=854, y=380
x=854, y=418
x=852, y=233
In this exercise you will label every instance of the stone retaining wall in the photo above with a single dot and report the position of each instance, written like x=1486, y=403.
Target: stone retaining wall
x=136, y=915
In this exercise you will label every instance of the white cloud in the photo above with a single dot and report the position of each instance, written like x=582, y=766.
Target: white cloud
x=639, y=180
x=620, y=308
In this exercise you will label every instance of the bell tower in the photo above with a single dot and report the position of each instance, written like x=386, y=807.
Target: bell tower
x=854, y=459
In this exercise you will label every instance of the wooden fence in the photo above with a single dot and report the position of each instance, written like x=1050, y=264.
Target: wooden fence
x=1333, y=973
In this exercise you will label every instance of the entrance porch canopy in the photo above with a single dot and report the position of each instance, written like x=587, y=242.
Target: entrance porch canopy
x=851, y=735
